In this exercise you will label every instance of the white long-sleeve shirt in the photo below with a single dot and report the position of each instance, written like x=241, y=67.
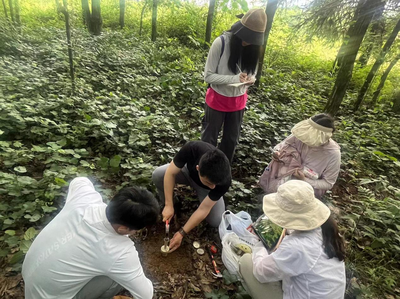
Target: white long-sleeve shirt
x=79, y=244
x=303, y=266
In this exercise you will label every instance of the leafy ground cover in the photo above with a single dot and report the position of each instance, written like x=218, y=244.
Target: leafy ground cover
x=135, y=104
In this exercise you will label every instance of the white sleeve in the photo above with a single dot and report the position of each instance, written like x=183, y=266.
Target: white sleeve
x=290, y=259
x=293, y=257
x=81, y=190
x=264, y=266
x=128, y=272
x=210, y=71
x=329, y=176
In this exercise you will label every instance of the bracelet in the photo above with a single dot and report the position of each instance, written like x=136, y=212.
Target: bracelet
x=182, y=232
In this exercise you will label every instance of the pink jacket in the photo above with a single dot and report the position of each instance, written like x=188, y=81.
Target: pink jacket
x=279, y=171
x=324, y=160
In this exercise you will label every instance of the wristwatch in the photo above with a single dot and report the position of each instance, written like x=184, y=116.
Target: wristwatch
x=182, y=232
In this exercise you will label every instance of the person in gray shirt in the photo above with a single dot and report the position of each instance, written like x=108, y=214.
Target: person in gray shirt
x=230, y=69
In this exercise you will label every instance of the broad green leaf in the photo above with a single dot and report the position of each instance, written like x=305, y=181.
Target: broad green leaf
x=115, y=161
x=35, y=217
x=48, y=209
x=17, y=257
x=60, y=181
x=10, y=232
x=103, y=162
x=229, y=278
x=30, y=233
x=24, y=246
x=20, y=169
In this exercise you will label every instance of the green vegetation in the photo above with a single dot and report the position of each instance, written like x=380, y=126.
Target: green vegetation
x=136, y=102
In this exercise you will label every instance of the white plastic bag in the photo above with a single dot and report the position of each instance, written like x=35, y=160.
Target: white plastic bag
x=237, y=223
x=229, y=257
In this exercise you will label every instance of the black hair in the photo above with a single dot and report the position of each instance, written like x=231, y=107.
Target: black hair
x=332, y=242
x=248, y=56
x=215, y=166
x=324, y=120
x=133, y=207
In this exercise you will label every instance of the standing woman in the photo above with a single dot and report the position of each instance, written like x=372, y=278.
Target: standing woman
x=232, y=59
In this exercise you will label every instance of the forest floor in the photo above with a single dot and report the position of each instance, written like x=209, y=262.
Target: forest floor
x=183, y=273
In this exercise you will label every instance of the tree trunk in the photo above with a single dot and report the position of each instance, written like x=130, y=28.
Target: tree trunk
x=366, y=55
x=95, y=21
x=396, y=103
x=10, y=4
x=345, y=45
x=270, y=10
x=141, y=19
x=64, y=10
x=355, y=33
x=154, y=22
x=379, y=61
x=5, y=9
x=86, y=16
x=210, y=17
x=17, y=13
x=122, y=5
x=383, y=79
x=339, y=57
x=377, y=29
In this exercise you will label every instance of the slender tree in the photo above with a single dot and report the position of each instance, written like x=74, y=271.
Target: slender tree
x=210, y=17
x=17, y=13
x=11, y=5
x=363, y=16
x=154, y=21
x=86, y=15
x=270, y=10
x=96, y=21
x=396, y=102
x=5, y=9
x=374, y=38
x=122, y=7
x=379, y=61
x=383, y=79
x=141, y=18
x=64, y=10
x=380, y=6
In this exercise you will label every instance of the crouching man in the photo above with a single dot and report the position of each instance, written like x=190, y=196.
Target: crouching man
x=85, y=252
x=207, y=170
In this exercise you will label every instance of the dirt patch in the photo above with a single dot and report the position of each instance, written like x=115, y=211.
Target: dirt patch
x=158, y=267
x=11, y=287
x=183, y=273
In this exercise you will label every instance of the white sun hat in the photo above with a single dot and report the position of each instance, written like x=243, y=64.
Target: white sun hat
x=294, y=206
x=311, y=133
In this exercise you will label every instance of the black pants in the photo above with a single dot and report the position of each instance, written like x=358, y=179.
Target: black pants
x=211, y=126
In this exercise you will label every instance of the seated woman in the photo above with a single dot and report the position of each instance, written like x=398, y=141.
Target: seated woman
x=309, y=154
x=310, y=261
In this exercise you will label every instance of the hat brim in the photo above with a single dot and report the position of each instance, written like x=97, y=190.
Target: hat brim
x=247, y=35
x=297, y=221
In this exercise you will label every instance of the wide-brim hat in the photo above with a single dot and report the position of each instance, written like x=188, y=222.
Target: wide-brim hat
x=294, y=206
x=251, y=27
x=311, y=133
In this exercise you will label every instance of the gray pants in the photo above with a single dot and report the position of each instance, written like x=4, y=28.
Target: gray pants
x=256, y=289
x=211, y=126
x=99, y=287
x=215, y=215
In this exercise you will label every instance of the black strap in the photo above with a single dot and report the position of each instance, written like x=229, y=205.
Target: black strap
x=222, y=52
x=223, y=46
